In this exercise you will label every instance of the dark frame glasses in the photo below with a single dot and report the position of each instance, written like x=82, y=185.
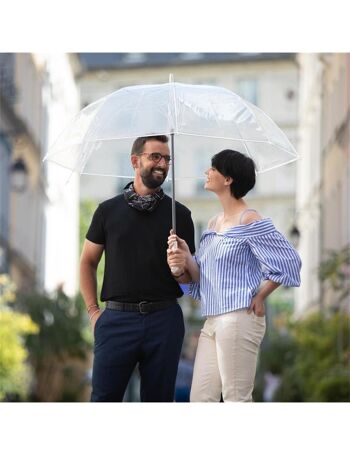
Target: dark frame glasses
x=157, y=157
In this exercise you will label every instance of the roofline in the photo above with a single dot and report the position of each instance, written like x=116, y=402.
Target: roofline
x=231, y=58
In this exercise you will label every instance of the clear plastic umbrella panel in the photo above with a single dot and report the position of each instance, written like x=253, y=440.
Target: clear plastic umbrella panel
x=200, y=120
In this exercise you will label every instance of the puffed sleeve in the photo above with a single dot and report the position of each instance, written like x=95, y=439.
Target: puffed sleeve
x=279, y=260
x=194, y=288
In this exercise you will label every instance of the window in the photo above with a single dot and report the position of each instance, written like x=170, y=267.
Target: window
x=134, y=57
x=247, y=89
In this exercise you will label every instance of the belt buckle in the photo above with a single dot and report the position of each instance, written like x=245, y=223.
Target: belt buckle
x=140, y=307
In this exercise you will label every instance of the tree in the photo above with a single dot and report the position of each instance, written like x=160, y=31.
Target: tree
x=335, y=272
x=320, y=367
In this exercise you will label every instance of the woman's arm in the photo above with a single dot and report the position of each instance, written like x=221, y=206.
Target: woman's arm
x=257, y=304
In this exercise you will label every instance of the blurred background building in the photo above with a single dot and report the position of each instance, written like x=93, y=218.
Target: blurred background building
x=39, y=214
x=323, y=182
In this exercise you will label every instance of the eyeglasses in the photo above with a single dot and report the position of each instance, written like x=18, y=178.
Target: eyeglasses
x=157, y=157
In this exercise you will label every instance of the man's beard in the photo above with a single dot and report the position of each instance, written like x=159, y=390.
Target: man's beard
x=149, y=180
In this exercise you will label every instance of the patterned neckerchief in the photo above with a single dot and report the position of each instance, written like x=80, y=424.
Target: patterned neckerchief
x=142, y=203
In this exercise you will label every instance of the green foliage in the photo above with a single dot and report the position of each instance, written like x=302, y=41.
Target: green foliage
x=62, y=343
x=14, y=371
x=62, y=323
x=311, y=355
x=317, y=360
x=335, y=271
x=278, y=353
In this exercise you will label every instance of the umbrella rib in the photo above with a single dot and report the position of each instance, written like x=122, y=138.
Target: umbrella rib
x=214, y=112
x=89, y=152
x=239, y=139
x=247, y=140
x=279, y=165
x=109, y=175
x=183, y=134
x=244, y=142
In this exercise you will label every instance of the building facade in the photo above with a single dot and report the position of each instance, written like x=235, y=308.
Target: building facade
x=335, y=146
x=39, y=219
x=323, y=177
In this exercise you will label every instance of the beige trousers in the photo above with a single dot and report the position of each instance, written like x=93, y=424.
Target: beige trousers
x=226, y=357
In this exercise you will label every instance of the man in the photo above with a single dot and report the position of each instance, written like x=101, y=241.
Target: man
x=142, y=323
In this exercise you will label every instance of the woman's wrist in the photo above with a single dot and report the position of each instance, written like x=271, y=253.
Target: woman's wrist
x=178, y=274
x=188, y=260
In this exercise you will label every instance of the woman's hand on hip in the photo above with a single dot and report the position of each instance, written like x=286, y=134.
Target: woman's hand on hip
x=257, y=306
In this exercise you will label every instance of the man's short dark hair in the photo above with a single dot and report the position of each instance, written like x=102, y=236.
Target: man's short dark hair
x=137, y=147
x=239, y=167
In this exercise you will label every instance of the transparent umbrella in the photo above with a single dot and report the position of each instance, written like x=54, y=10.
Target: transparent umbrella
x=201, y=119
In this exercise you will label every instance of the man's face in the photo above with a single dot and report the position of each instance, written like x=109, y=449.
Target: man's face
x=153, y=173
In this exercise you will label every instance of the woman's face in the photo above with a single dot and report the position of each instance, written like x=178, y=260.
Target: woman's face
x=215, y=180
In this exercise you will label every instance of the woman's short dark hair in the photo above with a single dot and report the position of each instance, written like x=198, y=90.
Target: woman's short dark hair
x=137, y=147
x=239, y=167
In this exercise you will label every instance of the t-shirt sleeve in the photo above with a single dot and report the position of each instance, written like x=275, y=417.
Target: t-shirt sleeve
x=280, y=262
x=96, y=233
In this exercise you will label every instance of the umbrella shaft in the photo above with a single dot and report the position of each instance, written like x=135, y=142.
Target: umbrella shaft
x=173, y=212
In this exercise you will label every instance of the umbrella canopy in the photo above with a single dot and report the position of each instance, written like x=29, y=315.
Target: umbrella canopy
x=204, y=120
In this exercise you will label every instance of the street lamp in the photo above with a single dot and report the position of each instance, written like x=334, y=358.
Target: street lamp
x=19, y=175
x=294, y=234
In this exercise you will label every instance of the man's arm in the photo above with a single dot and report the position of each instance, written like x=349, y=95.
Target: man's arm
x=89, y=260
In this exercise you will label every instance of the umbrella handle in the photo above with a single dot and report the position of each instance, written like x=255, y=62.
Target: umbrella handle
x=175, y=270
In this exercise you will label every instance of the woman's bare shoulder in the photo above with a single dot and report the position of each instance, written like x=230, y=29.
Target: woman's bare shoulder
x=249, y=216
x=212, y=222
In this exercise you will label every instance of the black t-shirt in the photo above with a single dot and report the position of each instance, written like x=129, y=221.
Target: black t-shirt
x=135, y=245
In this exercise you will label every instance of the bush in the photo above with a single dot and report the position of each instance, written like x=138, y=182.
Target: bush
x=59, y=351
x=320, y=369
x=15, y=374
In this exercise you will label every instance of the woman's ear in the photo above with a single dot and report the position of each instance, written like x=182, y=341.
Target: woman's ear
x=228, y=180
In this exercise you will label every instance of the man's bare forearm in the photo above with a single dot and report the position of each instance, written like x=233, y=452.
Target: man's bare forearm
x=88, y=284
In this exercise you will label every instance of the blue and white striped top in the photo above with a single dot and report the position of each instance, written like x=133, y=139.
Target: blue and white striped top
x=233, y=264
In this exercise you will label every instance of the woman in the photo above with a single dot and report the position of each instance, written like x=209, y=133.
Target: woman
x=237, y=251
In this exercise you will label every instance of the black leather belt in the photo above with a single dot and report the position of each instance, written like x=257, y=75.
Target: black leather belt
x=142, y=307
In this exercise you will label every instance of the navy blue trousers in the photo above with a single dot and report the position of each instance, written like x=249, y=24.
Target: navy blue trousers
x=125, y=339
